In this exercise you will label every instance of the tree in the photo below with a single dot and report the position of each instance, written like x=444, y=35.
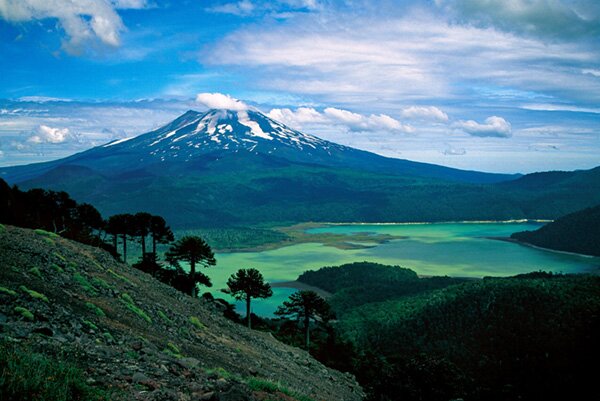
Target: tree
x=141, y=227
x=193, y=250
x=160, y=232
x=121, y=224
x=306, y=305
x=246, y=284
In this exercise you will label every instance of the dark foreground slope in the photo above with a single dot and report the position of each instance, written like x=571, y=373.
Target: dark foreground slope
x=138, y=337
x=577, y=232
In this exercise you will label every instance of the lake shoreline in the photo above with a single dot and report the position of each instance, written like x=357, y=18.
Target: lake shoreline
x=298, y=285
x=541, y=248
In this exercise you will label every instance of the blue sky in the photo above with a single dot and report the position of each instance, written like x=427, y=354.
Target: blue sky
x=492, y=85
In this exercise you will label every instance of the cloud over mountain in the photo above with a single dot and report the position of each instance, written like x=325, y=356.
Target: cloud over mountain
x=220, y=101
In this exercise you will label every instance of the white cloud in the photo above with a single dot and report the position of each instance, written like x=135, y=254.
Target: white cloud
x=591, y=71
x=298, y=118
x=553, y=18
x=424, y=113
x=82, y=20
x=351, y=121
x=416, y=56
x=492, y=127
x=279, y=8
x=220, y=101
x=46, y=134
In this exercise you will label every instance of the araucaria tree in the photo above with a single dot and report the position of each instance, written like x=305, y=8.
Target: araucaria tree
x=195, y=251
x=305, y=305
x=161, y=233
x=246, y=284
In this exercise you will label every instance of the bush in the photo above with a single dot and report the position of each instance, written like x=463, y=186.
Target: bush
x=29, y=376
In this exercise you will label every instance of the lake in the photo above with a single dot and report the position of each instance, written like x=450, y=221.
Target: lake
x=453, y=249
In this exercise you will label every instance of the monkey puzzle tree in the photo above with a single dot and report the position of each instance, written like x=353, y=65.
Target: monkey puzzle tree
x=160, y=232
x=193, y=250
x=306, y=305
x=246, y=284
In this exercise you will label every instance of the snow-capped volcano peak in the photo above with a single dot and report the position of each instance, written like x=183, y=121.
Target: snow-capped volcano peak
x=196, y=133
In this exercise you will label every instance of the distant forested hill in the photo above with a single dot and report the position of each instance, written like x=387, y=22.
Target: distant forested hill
x=577, y=232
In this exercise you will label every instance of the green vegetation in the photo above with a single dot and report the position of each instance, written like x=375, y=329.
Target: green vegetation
x=108, y=337
x=46, y=233
x=28, y=376
x=355, y=284
x=130, y=304
x=195, y=251
x=95, y=308
x=7, y=291
x=57, y=268
x=59, y=256
x=34, y=294
x=165, y=318
x=90, y=325
x=305, y=306
x=85, y=284
x=228, y=238
x=36, y=272
x=577, y=232
x=271, y=387
x=246, y=284
x=120, y=277
x=26, y=313
x=101, y=283
x=174, y=348
x=197, y=323
x=2, y=228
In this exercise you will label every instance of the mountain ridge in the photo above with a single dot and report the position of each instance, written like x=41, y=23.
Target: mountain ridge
x=218, y=169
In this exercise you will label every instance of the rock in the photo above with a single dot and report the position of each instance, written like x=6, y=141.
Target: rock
x=188, y=363
x=137, y=346
x=210, y=396
x=236, y=393
x=139, y=378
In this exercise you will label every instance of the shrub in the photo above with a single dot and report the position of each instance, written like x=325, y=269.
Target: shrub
x=85, y=284
x=268, y=386
x=128, y=301
x=7, y=291
x=34, y=294
x=96, y=309
x=197, y=323
x=28, y=376
x=26, y=313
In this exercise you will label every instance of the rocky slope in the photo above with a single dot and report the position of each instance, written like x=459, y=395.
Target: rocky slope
x=139, y=337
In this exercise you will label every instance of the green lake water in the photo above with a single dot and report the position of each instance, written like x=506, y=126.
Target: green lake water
x=453, y=249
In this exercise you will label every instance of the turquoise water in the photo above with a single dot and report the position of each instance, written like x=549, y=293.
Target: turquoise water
x=453, y=249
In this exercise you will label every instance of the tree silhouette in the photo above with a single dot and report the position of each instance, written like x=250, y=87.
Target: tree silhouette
x=305, y=305
x=123, y=225
x=160, y=232
x=193, y=250
x=246, y=284
x=141, y=227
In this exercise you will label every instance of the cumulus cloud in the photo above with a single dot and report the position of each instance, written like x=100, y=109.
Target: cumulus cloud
x=431, y=113
x=492, y=127
x=220, y=101
x=333, y=116
x=550, y=18
x=82, y=20
x=46, y=134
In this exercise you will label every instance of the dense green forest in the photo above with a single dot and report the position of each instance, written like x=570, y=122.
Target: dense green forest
x=359, y=283
x=577, y=232
x=528, y=337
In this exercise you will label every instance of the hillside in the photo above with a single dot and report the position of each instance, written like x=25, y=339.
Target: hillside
x=138, y=338
x=577, y=232
x=528, y=337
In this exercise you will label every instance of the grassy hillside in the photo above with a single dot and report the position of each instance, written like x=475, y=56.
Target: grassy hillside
x=577, y=232
x=116, y=333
